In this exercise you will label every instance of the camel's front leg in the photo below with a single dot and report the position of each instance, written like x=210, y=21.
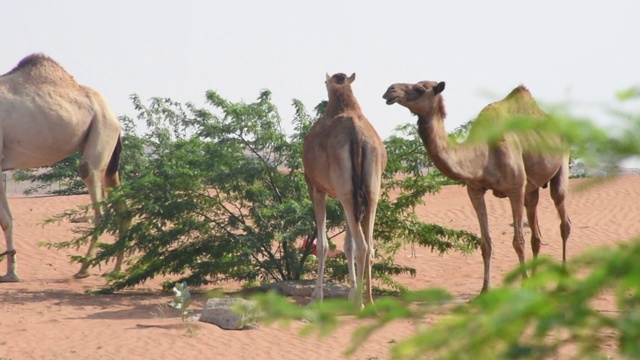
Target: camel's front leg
x=477, y=200
x=6, y=221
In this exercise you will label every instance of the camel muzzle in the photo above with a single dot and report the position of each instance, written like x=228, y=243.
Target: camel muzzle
x=390, y=96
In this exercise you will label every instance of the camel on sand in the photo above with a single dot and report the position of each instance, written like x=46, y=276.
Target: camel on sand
x=45, y=116
x=514, y=167
x=344, y=157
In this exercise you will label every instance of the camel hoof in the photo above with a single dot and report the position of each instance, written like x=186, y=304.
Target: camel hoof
x=316, y=296
x=356, y=299
x=112, y=273
x=9, y=278
x=82, y=274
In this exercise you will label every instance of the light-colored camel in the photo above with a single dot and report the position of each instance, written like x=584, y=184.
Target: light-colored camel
x=45, y=116
x=344, y=157
x=514, y=167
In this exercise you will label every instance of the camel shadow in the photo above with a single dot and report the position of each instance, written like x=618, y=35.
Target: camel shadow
x=119, y=306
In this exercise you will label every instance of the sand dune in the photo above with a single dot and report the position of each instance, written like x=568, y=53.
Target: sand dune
x=49, y=316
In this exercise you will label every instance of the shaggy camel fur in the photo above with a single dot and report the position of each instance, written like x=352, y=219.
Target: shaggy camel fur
x=512, y=167
x=45, y=116
x=344, y=157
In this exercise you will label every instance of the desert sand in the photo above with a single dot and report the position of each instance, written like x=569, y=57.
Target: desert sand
x=48, y=315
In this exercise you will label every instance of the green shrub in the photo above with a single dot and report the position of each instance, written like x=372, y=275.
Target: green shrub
x=220, y=194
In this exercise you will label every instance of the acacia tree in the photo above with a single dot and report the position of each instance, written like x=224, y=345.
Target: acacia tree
x=219, y=193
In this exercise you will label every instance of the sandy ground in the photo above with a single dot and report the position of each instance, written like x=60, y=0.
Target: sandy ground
x=49, y=316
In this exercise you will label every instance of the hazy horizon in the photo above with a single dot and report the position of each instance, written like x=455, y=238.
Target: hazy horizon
x=580, y=53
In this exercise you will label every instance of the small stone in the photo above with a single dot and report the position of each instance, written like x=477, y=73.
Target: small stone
x=220, y=311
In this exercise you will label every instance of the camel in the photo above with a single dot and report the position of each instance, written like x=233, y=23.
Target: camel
x=514, y=167
x=45, y=116
x=344, y=157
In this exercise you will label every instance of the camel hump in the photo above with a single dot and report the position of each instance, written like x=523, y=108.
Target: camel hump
x=520, y=91
x=33, y=60
x=42, y=67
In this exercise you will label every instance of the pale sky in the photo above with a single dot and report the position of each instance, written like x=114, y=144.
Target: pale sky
x=584, y=51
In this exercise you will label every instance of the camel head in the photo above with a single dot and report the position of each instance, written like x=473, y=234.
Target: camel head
x=420, y=98
x=339, y=80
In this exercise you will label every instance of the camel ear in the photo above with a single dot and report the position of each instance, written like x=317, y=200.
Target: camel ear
x=326, y=79
x=439, y=88
x=351, y=78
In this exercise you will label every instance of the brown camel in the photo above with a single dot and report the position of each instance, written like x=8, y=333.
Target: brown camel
x=514, y=167
x=344, y=157
x=45, y=116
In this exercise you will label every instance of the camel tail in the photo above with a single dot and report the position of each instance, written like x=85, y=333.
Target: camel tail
x=114, y=162
x=360, y=198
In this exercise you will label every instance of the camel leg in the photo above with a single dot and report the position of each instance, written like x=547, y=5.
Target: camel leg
x=96, y=155
x=348, y=252
x=111, y=182
x=367, y=226
x=559, y=185
x=92, y=181
x=517, y=207
x=360, y=251
x=368, y=221
x=319, y=200
x=367, y=268
x=477, y=200
x=6, y=221
x=530, y=204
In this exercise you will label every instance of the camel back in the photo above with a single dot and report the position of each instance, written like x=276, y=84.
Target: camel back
x=519, y=102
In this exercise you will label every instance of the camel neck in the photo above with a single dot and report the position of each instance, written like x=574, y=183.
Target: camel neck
x=340, y=101
x=449, y=158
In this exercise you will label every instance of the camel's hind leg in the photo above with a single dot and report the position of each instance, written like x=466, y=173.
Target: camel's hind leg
x=559, y=188
x=110, y=182
x=531, y=205
x=348, y=253
x=93, y=180
x=6, y=221
x=368, y=221
x=319, y=200
x=359, y=252
x=101, y=146
x=97, y=191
